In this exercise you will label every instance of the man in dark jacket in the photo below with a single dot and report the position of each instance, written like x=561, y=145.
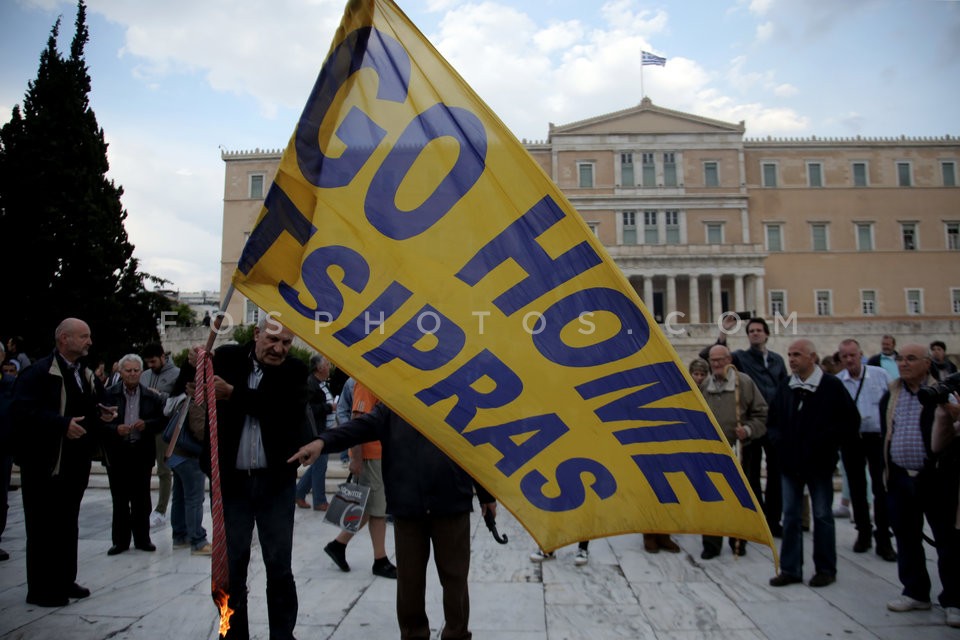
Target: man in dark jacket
x=810, y=417
x=261, y=416
x=56, y=423
x=129, y=451
x=430, y=498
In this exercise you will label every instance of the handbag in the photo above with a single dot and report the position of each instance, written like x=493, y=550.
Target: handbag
x=347, y=506
x=176, y=436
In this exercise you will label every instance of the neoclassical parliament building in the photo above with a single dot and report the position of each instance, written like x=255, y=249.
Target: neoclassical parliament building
x=703, y=219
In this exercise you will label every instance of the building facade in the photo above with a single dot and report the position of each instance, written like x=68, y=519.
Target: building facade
x=702, y=219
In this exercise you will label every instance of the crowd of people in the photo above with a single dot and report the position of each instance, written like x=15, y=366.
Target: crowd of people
x=795, y=418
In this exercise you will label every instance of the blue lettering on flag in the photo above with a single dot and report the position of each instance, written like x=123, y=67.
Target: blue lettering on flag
x=695, y=467
x=281, y=215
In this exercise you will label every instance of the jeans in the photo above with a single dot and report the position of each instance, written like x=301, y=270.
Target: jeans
x=824, y=532
x=263, y=498
x=314, y=479
x=186, y=514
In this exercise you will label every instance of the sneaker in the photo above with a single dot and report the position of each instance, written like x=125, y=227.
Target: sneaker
x=385, y=569
x=540, y=555
x=841, y=511
x=582, y=557
x=906, y=603
x=180, y=544
x=337, y=553
x=953, y=616
x=205, y=550
x=157, y=520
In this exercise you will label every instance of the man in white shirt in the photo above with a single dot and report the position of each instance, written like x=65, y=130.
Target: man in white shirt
x=866, y=384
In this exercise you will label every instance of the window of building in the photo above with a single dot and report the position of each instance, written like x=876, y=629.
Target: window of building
x=629, y=227
x=669, y=169
x=953, y=235
x=711, y=174
x=820, y=241
x=955, y=300
x=774, y=237
x=585, y=171
x=251, y=312
x=948, y=171
x=594, y=228
x=672, y=221
x=256, y=186
x=814, y=174
x=914, y=302
x=868, y=302
x=864, y=236
x=649, y=170
x=651, y=235
x=908, y=232
x=626, y=170
x=769, y=174
x=824, y=298
x=778, y=302
x=904, y=178
x=860, y=174
x=714, y=233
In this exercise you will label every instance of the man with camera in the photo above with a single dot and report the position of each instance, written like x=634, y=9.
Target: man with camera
x=921, y=483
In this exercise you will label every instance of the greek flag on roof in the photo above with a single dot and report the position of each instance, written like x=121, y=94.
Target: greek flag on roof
x=649, y=58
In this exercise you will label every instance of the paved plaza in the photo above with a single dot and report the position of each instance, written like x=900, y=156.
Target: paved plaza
x=622, y=593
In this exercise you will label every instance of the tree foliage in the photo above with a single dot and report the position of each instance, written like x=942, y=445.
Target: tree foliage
x=61, y=218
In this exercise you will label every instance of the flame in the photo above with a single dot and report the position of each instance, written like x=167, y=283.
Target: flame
x=220, y=597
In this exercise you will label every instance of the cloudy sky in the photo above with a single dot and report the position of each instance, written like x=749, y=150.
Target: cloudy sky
x=174, y=82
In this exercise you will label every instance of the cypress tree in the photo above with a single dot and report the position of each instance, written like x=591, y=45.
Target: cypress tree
x=61, y=218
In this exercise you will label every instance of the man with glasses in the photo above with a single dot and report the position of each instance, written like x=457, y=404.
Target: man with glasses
x=917, y=488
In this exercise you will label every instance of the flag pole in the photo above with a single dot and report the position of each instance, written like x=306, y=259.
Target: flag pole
x=218, y=319
x=642, y=94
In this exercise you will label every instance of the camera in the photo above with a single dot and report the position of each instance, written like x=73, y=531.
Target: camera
x=939, y=393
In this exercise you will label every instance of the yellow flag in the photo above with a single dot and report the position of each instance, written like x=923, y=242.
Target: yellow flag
x=410, y=237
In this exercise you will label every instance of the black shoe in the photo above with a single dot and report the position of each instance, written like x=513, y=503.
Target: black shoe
x=146, y=546
x=4, y=555
x=783, y=579
x=776, y=531
x=76, y=591
x=709, y=554
x=885, y=551
x=863, y=543
x=48, y=601
x=338, y=553
x=384, y=568
x=822, y=579
x=115, y=550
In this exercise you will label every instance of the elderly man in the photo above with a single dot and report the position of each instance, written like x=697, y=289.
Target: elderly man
x=920, y=483
x=741, y=412
x=811, y=417
x=767, y=370
x=56, y=419
x=261, y=407
x=866, y=384
x=130, y=448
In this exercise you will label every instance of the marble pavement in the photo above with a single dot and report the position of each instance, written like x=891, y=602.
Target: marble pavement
x=622, y=593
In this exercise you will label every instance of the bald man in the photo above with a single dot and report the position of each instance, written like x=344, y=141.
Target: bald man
x=57, y=422
x=810, y=417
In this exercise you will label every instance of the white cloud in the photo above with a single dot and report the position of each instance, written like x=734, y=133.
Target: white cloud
x=785, y=90
x=765, y=31
x=760, y=7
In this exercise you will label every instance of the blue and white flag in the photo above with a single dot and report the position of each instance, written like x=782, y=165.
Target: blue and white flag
x=649, y=58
